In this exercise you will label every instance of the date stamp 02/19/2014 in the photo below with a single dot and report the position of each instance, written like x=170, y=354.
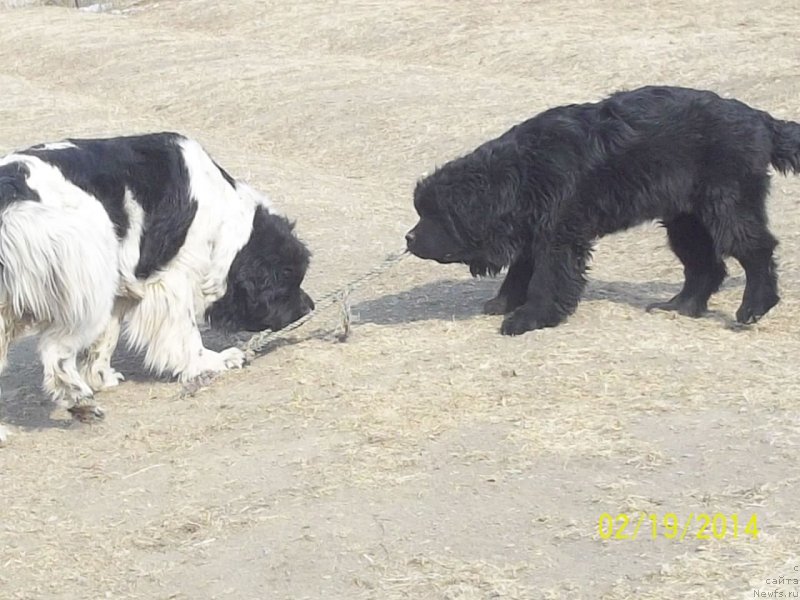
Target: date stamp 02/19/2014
x=701, y=526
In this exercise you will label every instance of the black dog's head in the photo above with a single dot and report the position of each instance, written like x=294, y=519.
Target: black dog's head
x=467, y=212
x=264, y=279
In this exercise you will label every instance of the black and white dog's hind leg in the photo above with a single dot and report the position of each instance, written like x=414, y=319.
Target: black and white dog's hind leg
x=59, y=350
x=59, y=277
x=10, y=329
x=96, y=366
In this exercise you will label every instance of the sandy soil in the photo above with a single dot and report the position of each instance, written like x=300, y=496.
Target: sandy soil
x=427, y=456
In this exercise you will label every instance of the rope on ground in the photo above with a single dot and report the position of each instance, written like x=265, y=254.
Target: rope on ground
x=262, y=339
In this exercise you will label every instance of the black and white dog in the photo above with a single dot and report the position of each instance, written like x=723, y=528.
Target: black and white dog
x=536, y=198
x=145, y=232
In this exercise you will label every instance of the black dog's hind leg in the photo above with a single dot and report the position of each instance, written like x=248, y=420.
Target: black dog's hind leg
x=554, y=289
x=703, y=269
x=740, y=230
x=753, y=246
x=514, y=289
x=761, y=289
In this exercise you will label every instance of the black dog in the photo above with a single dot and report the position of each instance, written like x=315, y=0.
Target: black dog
x=536, y=198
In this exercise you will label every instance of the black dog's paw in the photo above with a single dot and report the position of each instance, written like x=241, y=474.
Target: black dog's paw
x=520, y=321
x=496, y=306
x=688, y=307
x=751, y=311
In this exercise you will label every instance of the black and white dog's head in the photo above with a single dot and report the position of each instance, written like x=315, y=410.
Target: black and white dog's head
x=467, y=211
x=264, y=281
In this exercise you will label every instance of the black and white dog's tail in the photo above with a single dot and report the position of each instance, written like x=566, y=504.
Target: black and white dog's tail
x=785, y=146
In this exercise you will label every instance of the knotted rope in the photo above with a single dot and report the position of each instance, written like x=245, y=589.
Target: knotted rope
x=262, y=339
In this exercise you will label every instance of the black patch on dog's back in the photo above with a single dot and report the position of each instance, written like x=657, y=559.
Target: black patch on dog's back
x=14, y=184
x=152, y=167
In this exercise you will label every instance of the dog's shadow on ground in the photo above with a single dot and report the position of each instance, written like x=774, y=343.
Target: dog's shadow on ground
x=459, y=299
x=24, y=404
x=22, y=401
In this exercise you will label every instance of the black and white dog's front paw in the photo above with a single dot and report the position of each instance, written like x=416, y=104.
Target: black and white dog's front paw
x=211, y=363
x=233, y=358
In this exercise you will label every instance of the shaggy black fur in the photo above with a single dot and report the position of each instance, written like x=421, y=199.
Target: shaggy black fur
x=536, y=199
x=264, y=280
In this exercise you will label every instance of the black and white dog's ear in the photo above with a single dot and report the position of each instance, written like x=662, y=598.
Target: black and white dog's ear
x=9, y=190
x=13, y=184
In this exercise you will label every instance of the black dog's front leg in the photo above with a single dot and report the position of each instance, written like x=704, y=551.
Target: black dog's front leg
x=554, y=289
x=514, y=290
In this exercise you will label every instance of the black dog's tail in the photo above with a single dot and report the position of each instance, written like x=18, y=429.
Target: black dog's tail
x=785, y=146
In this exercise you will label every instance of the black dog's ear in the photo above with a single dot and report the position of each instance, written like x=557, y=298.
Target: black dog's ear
x=504, y=178
x=509, y=192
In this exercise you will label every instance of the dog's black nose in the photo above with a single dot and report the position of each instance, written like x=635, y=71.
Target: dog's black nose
x=410, y=236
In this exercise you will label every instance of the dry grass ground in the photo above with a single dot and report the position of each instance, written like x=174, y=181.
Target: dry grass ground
x=427, y=456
